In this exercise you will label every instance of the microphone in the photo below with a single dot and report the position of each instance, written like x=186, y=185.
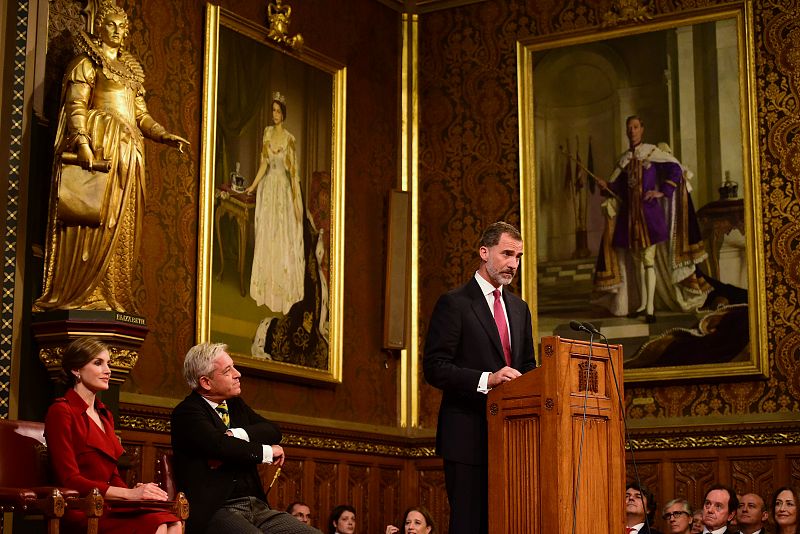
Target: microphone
x=589, y=328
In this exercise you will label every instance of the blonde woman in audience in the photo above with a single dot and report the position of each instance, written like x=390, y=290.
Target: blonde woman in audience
x=417, y=520
x=784, y=510
x=677, y=515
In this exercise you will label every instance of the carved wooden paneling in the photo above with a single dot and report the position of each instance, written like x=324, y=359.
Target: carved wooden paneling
x=794, y=470
x=645, y=472
x=523, y=441
x=289, y=486
x=691, y=478
x=357, y=489
x=432, y=493
x=754, y=476
x=324, y=490
x=389, y=492
x=131, y=465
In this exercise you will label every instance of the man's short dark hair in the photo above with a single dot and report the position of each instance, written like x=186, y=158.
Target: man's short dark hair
x=634, y=117
x=291, y=506
x=491, y=236
x=648, y=497
x=733, y=500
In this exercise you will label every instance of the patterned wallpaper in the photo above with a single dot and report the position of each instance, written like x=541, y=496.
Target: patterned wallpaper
x=468, y=177
x=168, y=38
x=469, y=173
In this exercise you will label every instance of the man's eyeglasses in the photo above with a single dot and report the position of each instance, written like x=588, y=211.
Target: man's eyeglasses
x=676, y=515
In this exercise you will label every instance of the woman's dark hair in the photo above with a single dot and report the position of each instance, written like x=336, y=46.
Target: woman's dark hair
x=336, y=514
x=77, y=354
x=282, y=106
x=778, y=491
x=425, y=513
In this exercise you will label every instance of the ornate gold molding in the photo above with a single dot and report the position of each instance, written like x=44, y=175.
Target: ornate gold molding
x=279, y=16
x=626, y=12
x=143, y=422
x=710, y=441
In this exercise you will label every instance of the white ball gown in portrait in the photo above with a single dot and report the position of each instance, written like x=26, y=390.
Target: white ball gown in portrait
x=276, y=280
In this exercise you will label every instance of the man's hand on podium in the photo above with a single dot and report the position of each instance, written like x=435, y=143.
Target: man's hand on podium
x=505, y=374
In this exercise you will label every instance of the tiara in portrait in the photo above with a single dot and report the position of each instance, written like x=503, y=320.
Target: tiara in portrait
x=279, y=97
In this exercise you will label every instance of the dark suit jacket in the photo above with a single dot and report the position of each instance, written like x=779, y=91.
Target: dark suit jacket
x=207, y=462
x=462, y=343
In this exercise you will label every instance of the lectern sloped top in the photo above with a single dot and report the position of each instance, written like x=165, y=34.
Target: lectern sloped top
x=556, y=428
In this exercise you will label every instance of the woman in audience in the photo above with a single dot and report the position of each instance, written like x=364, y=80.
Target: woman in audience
x=784, y=510
x=697, y=522
x=342, y=520
x=84, y=449
x=416, y=520
x=678, y=516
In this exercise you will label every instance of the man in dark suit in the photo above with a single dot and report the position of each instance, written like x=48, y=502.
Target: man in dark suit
x=640, y=509
x=217, y=442
x=479, y=337
x=719, y=508
x=752, y=514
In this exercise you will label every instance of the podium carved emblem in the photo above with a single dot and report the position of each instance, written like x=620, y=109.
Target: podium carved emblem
x=587, y=377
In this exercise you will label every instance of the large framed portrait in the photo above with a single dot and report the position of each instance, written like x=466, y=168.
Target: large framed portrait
x=640, y=192
x=270, y=250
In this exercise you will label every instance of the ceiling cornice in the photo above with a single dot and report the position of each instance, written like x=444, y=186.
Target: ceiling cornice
x=425, y=6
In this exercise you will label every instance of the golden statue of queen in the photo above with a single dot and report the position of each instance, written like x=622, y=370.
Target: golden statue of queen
x=98, y=191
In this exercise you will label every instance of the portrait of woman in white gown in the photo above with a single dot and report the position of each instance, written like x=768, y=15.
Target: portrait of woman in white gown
x=276, y=280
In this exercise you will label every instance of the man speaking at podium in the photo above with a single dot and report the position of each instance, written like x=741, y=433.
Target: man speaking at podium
x=479, y=336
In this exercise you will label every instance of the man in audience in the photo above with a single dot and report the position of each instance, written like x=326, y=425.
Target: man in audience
x=752, y=514
x=719, y=507
x=301, y=511
x=218, y=441
x=640, y=507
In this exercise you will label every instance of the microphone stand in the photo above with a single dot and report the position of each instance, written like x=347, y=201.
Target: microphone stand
x=576, y=489
x=624, y=421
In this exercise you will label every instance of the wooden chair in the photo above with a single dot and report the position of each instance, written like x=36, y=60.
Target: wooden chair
x=25, y=486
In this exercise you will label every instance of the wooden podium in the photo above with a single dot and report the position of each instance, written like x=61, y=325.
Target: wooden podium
x=536, y=424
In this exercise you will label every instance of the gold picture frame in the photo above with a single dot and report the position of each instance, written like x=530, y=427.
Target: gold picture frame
x=575, y=91
x=271, y=291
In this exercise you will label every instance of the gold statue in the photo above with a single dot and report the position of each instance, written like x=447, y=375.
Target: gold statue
x=97, y=195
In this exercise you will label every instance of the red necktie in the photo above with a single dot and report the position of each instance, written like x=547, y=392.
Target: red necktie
x=502, y=329
x=628, y=530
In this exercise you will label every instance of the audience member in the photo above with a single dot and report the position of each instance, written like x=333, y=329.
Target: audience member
x=342, y=520
x=301, y=511
x=784, y=510
x=752, y=514
x=640, y=507
x=697, y=522
x=416, y=520
x=719, y=507
x=678, y=516
x=218, y=442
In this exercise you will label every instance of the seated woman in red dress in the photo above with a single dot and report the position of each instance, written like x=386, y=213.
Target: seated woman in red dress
x=84, y=449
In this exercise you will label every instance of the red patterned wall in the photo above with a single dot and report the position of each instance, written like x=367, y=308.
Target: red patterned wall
x=469, y=174
x=168, y=38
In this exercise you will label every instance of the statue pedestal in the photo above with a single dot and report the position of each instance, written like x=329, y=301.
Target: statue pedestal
x=123, y=333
